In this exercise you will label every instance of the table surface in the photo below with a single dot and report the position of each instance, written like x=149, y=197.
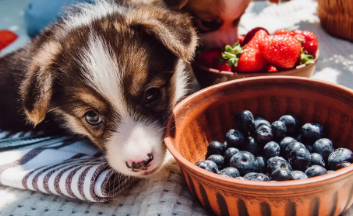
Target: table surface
x=167, y=194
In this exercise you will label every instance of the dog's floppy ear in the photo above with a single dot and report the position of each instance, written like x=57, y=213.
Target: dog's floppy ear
x=175, y=4
x=174, y=30
x=36, y=89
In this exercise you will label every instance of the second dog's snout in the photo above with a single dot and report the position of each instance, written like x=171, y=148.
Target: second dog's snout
x=140, y=165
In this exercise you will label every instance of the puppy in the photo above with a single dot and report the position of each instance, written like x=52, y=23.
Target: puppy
x=217, y=21
x=108, y=72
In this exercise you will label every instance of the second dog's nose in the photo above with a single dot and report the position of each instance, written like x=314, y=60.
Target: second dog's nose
x=140, y=165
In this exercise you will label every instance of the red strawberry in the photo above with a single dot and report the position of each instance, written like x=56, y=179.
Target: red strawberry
x=6, y=38
x=296, y=32
x=272, y=68
x=248, y=60
x=282, y=51
x=251, y=61
x=223, y=66
x=259, y=35
x=308, y=40
x=209, y=58
x=241, y=39
x=281, y=31
x=252, y=33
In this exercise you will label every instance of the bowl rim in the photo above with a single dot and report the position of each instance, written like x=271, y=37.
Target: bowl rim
x=248, y=184
x=289, y=71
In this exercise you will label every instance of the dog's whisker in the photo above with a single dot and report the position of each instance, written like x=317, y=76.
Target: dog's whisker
x=53, y=109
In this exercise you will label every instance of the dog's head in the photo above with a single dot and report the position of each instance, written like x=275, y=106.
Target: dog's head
x=216, y=20
x=113, y=73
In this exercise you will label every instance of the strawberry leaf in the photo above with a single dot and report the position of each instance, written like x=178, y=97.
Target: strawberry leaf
x=237, y=48
x=233, y=61
x=232, y=54
x=305, y=58
x=225, y=56
x=229, y=55
x=236, y=44
x=229, y=49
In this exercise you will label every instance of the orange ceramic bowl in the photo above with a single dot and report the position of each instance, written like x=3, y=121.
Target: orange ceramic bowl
x=208, y=114
x=208, y=76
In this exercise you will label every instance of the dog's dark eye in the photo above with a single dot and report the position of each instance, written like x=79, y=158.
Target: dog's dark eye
x=236, y=22
x=93, y=118
x=209, y=25
x=152, y=95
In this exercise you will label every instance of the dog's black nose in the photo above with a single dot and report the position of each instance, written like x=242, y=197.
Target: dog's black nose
x=140, y=165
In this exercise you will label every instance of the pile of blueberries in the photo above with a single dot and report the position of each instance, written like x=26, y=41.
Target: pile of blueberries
x=260, y=151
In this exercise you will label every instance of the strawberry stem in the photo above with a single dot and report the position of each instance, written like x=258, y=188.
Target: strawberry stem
x=232, y=54
x=305, y=58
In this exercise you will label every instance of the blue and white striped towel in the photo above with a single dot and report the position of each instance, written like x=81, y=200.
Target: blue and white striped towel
x=62, y=166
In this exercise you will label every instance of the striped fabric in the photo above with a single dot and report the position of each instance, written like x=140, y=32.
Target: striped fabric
x=62, y=166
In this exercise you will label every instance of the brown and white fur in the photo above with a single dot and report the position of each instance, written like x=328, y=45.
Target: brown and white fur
x=120, y=67
x=217, y=21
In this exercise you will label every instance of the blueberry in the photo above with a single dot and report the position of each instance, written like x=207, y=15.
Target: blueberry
x=320, y=127
x=317, y=159
x=240, y=178
x=245, y=121
x=218, y=159
x=263, y=134
x=310, y=132
x=230, y=172
x=300, y=159
x=261, y=122
x=338, y=156
x=208, y=165
x=274, y=164
x=279, y=130
x=282, y=175
x=261, y=161
x=330, y=171
x=228, y=154
x=252, y=146
x=215, y=147
x=271, y=149
x=270, y=160
x=324, y=147
x=315, y=170
x=245, y=162
x=235, y=138
x=285, y=142
x=297, y=175
x=293, y=146
x=249, y=175
x=257, y=177
x=310, y=148
x=343, y=165
x=292, y=124
x=259, y=118
x=261, y=177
